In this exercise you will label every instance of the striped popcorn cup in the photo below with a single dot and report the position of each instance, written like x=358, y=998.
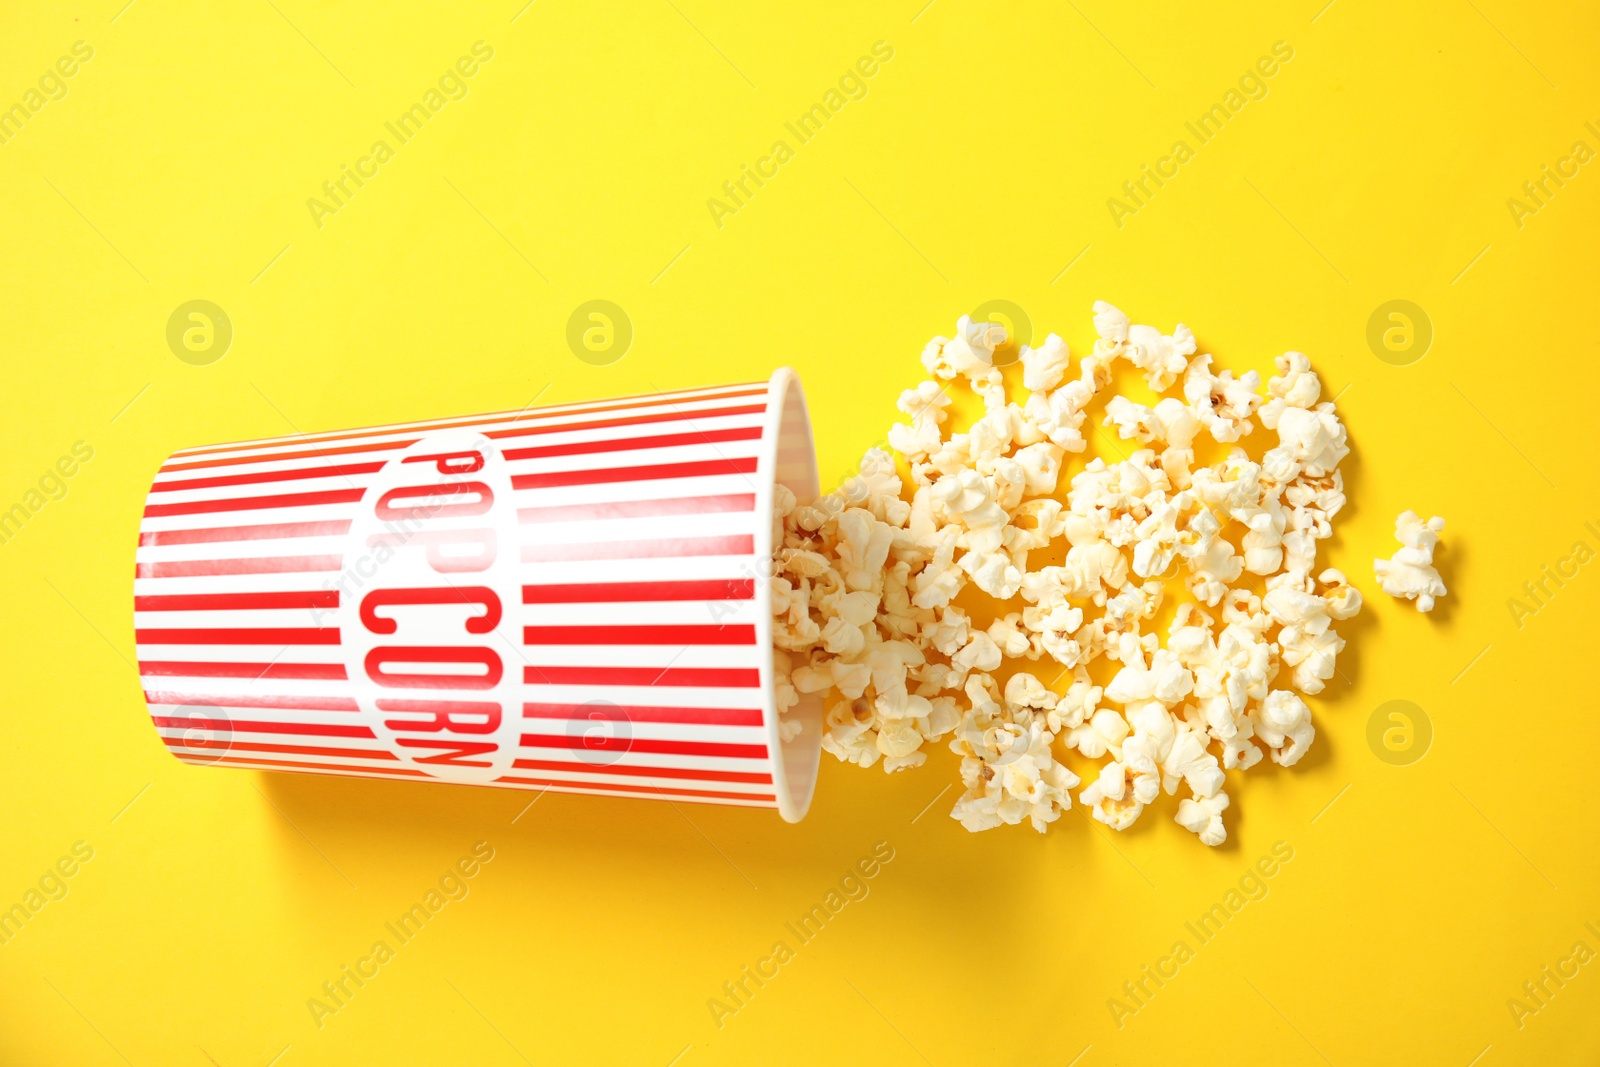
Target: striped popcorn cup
x=571, y=598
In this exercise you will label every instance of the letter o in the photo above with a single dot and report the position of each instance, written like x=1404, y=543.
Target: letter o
x=387, y=510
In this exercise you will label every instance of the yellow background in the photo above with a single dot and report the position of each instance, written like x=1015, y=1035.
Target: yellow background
x=978, y=167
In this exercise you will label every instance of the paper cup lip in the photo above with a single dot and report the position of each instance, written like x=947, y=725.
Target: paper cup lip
x=794, y=762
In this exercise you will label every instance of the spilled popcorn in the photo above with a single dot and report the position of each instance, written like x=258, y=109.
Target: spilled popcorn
x=1410, y=573
x=866, y=581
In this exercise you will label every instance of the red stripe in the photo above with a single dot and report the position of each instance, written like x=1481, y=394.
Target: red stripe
x=503, y=416
x=558, y=784
x=708, y=677
x=204, y=568
x=304, y=750
x=707, y=634
x=215, y=700
x=640, y=509
x=255, y=635
x=359, y=772
x=263, y=531
x=252, y=503
x=310, y=598
x=633, y=420
x=657, y=472
x=274, y=457
x=180, y=669
x=646, y=713
x=264, y=476
x=622, y=745
x=729, y=545
x=630, y=444
x=242, y=726
x=639, y=592
x=642, y=772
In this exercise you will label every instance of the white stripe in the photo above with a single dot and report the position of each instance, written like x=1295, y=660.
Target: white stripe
x=557, y=728
x=363, y=770
x=683, y=568
x=277, y=655
x=650, y=613
x=597, y=763
x=670, y=696
x=576, y=776
x=732, y=801
x=647, y=489
x=308, y=461
x=645, y=528
x=683, y=425
x=321, y=484
x=274, y=546
x=224, y=520
x=208, y=743
x=239, y=583
x=645, y=731
x=264, y=618
x=700, y=452
x=222, y=688
x=244, y=761
x=255, y=516
x=209, y=746
x=275, y=715
x=654, y=656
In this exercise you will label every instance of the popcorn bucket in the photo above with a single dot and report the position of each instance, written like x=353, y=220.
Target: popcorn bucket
x=571, y=598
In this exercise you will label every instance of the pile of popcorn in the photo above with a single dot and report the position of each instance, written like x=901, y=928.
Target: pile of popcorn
x=865, y=581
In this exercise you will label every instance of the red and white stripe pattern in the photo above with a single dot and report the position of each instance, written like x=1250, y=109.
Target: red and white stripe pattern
x=632, y=631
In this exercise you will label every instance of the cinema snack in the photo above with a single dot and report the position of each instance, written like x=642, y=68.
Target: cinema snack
x=951, y=593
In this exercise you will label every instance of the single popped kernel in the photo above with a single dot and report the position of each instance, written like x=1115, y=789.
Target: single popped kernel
x=1410, y=573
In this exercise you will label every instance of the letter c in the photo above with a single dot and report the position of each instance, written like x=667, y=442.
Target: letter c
x=465, y=594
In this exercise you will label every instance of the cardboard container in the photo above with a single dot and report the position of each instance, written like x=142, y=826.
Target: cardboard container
x=571, y=598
